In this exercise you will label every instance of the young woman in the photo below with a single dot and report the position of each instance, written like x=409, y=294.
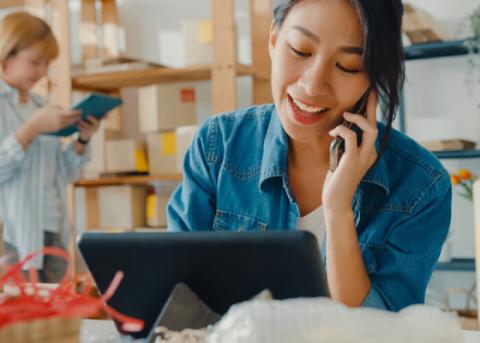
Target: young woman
x=381, y=217
x=34, y=168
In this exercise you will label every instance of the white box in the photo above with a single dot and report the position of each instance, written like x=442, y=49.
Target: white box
x=198, y=41
x=184, y=136
x=164, y=107
x=162, y=152
x=126, y=155
x=156, y=210
x=98, y=157
x=121, y=207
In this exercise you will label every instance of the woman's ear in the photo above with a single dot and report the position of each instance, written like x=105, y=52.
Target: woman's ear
x=272, y=41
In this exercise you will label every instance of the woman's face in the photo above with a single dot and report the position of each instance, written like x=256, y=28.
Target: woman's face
x=317, y=67
x=26, y=67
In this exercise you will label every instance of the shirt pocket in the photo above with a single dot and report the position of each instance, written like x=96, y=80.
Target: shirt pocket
x=370, y=256
x=230, y=221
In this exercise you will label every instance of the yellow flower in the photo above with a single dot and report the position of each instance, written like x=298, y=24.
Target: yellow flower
x=455, y=179
x=464, y=174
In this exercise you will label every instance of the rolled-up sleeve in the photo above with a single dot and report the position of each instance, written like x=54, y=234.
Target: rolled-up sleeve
x=411, y=251
x=11, y=157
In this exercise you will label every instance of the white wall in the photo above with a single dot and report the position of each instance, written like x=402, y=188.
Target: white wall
x=440, y=105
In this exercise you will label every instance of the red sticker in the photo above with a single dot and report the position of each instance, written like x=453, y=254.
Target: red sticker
x=187, y=95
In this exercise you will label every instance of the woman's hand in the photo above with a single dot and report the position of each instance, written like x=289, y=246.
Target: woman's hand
x=45, y=120
x=53, y=118
x=340, y=186
x=88, y=127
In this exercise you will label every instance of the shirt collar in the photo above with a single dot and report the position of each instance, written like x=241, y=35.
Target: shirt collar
x=275, y=152
x=6, y=89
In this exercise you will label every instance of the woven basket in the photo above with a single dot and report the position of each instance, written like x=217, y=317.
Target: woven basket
x=55, y=329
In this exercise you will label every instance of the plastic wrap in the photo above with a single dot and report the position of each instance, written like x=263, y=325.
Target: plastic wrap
x=322, y=320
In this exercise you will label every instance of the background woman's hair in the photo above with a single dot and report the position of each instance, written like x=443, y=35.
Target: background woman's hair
x=21, y=30
x=382, y=51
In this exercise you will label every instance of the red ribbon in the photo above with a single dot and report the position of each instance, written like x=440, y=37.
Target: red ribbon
x=63, y=301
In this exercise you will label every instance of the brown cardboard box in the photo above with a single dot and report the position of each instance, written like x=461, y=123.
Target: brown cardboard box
x=98, y=158
x=162, y=150
x=121, y=207
x=198, y=41
x=156, y=210
x=126, y=155
x=184, y=136
x=164, y=107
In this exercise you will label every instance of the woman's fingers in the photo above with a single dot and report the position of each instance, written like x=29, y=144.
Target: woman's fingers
x=349, y=136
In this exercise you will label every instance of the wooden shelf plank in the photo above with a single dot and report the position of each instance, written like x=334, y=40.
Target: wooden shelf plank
x=127, y=180
x=136, y=78
x=11, y=3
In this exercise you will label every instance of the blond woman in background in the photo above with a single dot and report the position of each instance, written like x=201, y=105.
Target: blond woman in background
x=35, y=167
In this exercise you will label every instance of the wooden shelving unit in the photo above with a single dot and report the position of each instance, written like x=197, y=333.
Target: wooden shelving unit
x=223, y=71
x=127, y=180
x=109, y=82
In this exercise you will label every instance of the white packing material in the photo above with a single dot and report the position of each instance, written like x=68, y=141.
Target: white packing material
x=317, y=320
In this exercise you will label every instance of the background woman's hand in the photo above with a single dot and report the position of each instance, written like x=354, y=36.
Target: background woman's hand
x=88, y=127
x=340, y=186
x=52, y=118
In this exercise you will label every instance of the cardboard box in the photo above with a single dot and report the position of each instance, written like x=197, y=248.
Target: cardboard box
x=98, y=158
x=126, y=155
x=162, y=151
x=198, y=41
x=121, y=207
x=156, y=210
x=164, y=107
x=184, y=136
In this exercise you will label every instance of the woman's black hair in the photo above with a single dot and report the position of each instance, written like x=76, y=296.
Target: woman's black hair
x=382, y=51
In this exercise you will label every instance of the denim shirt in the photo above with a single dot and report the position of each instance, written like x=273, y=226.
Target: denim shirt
x=236, y=178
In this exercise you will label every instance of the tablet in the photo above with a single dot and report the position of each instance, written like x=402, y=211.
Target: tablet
x=222, y=268
x=94, y=104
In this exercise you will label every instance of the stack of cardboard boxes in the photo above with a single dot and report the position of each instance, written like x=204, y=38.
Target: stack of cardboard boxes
x=168, y=122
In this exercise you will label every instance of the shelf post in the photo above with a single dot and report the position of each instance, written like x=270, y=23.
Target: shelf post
x=261, y=18
x=224, y=69
x=61, y=92
x=88, y=29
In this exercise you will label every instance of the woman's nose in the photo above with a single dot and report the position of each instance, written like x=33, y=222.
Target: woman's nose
x=315, y=79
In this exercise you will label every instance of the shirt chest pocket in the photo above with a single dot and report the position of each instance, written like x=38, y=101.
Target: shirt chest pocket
x=229, y=221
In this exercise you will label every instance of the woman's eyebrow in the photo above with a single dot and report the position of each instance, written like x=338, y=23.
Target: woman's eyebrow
x=345, y=49
x=307, y=33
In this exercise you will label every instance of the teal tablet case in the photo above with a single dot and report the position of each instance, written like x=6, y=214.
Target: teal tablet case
x=94, y=104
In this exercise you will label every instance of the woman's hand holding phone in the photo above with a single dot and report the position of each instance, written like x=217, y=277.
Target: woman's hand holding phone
x=340, y=185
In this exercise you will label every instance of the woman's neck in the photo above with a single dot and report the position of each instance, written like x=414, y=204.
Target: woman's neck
x=309, y=155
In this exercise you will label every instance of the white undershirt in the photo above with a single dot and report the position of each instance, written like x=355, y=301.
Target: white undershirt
x=315, y=223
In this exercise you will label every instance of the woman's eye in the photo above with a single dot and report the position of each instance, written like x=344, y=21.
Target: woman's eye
x=347, y=70
x=300, y=53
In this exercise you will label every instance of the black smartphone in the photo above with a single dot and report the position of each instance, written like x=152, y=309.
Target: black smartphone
x=337, y=146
